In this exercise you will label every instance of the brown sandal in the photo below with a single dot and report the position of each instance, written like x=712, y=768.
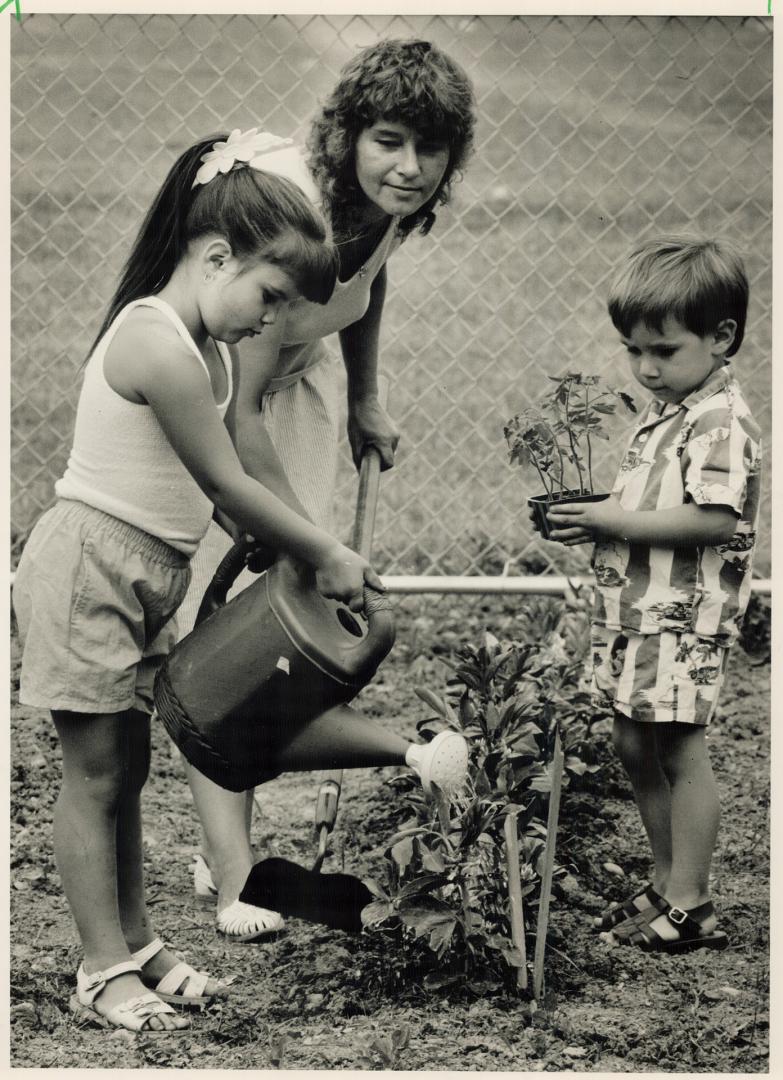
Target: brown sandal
x=688, y=924
x=628, y=909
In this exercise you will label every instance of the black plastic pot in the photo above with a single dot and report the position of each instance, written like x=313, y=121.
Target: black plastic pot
x=541, y=503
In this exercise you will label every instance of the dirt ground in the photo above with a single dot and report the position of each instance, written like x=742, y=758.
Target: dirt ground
x=319, y=999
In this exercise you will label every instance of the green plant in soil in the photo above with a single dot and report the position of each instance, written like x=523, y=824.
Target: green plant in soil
x=444, y=902
x=555, y=436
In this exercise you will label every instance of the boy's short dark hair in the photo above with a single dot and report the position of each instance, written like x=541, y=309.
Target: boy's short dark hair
x=697, y=281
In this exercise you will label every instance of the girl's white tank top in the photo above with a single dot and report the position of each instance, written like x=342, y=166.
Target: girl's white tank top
x=121, y=461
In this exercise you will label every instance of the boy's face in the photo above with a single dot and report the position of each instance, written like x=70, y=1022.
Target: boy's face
x=673, y=362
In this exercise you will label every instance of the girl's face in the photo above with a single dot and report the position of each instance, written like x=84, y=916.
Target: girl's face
x=242, y=296
x=397, y=168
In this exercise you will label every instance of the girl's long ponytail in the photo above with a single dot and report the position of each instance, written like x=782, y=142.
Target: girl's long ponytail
x=253, y=209
x=162, y=239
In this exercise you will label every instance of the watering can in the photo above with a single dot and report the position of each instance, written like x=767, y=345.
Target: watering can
x=261, y=686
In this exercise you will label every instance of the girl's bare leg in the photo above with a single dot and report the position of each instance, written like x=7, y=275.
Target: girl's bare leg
x=96, y=775
x=134, y=917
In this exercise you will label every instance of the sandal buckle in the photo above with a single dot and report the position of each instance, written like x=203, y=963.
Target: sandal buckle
x=677, y=916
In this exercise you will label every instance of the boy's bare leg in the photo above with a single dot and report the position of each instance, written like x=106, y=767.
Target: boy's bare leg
x=695, y=815
x=636, y=745
x=95, y=775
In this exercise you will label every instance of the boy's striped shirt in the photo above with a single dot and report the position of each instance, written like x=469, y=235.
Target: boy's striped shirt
x=706, y=449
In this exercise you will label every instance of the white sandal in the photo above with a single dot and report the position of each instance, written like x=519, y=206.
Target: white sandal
x=239, y=921
x=246, y=922
x=442, y=762
x=133, y=1014
x=182, y=985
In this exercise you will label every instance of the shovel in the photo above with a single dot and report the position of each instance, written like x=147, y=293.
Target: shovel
x=333, y=899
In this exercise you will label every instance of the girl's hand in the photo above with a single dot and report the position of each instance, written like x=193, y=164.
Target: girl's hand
x=343, y=575
x=584, y=523
x=370, y=425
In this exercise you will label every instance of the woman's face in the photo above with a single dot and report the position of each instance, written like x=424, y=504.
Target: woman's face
x=397, y=168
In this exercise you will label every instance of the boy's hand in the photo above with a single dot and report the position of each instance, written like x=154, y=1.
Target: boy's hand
x=577, y=538
x=584, y=523
x=342, y=576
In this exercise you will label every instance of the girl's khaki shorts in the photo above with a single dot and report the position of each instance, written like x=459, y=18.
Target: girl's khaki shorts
x=95, y=600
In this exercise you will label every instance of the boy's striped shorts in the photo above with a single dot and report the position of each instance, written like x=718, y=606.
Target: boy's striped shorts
x=664, y=678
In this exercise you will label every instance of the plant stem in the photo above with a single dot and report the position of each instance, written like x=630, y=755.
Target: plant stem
x=587, y=438
x=549, y=861
x=571, y=440
x=541, y=473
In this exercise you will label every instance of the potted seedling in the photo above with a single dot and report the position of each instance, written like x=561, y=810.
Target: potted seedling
x=555, y=437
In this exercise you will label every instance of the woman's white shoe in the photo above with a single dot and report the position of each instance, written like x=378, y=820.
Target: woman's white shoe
x=203, y=882
x=239, y=921
x=442, y=763
x=246, y=922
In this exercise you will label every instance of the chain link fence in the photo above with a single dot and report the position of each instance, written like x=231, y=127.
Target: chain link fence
x=593, y=132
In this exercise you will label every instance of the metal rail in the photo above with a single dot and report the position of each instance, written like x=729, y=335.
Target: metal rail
x=539, y=585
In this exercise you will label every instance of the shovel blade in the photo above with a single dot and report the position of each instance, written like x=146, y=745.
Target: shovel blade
x=335, y=900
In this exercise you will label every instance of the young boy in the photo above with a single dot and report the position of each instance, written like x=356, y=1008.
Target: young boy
x=672, y=561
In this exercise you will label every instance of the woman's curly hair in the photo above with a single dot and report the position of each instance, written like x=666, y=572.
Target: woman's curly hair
x=408, y=81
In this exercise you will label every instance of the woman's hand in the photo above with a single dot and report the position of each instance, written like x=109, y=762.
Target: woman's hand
x=584, y=523
x=343, y=574
x=370, y=425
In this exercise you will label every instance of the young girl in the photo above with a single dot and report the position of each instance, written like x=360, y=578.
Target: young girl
x=223, y=248
x=384, y=150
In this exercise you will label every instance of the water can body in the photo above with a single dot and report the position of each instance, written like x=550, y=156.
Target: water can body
x=259, y=668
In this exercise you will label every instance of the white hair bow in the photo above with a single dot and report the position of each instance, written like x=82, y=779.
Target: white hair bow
x=260, y=150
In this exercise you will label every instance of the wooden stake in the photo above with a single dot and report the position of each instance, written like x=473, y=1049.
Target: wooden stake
x=549, y=862
x=516, y=913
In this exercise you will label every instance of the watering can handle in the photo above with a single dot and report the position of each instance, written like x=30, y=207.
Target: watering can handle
x=230, y=567
x=235, y=560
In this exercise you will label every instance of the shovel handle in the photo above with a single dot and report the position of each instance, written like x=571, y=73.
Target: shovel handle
x=363, y=529
x=366, y=502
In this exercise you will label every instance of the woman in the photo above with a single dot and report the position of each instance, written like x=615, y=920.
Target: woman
x=384, y=152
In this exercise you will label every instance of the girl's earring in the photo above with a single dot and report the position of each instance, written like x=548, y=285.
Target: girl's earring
x=209, y=277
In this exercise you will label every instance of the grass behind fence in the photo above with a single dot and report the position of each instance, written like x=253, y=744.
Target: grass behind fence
x=592, y=133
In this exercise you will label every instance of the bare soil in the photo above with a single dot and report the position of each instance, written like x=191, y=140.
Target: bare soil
x=321, y=999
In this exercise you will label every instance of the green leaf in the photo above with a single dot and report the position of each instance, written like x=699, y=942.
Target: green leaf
x=375, y=888
x=420, y=886
x=440, y=938
x=492, y=716
x=376, y=913
x=433, y=701
x=424, y=916
x=402, y=853
x=432, y=861
x=400, y=1036
x=542, y=782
